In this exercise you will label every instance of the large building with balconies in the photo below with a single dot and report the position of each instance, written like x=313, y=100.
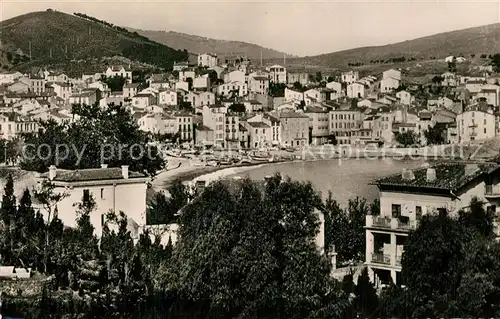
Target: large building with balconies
x=406, y=197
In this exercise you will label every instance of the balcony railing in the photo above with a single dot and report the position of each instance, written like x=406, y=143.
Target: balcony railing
x=380, y=258
x=390, y=223
x=379, y=221
x=398, y=260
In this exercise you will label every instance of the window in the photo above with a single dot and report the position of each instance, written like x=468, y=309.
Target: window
x=485, y=130
x=86, y=195
x=418, y=212
x=102, y=193
x=396, y=210
x=442, y=211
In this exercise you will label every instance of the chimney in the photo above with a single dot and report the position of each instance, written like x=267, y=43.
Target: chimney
x=407, y=175
x=52, y=172
x=200, y=186
x=125, y=171
x=431, y=175
x=104, y=165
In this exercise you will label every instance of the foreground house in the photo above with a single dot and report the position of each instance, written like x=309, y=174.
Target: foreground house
x=406, y=197
x=113, y=189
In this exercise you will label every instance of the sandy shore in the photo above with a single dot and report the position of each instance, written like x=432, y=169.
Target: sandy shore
x=183, y=169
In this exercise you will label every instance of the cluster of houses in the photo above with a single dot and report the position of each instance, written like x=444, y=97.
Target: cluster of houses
x=227, y=104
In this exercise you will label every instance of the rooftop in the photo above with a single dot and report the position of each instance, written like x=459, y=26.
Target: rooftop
x=91, y=174
x=258, y=125
x=449, y=176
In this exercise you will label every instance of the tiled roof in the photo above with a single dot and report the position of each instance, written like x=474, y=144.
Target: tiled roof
x=91, y=174
x=292, y=115
x=451, y=176
x=131, y=85
x=258, y=125
x=203, y=128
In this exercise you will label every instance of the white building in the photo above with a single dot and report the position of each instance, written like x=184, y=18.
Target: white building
x=349, y=77
x=395, y=74
x=167, y=97
x=388, y=85
x=277, y=74
x=356, y=90
x=119, y=70
x=113, y=189
x=234, y=88
x=208, y=60
x=292, y=95
x=406, y=197
x=476, y=123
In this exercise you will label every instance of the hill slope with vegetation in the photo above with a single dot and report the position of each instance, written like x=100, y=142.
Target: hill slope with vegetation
x=477, y=41
x=53, y=37
x=197, y=44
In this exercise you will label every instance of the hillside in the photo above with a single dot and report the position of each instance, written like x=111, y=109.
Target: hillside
x=197, y=44
x=477, y=40
x=57, y=37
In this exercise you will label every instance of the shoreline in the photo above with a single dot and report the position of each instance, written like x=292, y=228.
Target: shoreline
x=184, y=171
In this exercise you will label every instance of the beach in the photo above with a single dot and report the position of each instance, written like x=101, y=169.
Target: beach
x=184, y=170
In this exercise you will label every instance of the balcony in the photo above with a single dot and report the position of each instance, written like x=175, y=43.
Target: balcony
x=379, y=221
x=473, y=124
x=380, y=258
x=492, y=191
x=389, y=223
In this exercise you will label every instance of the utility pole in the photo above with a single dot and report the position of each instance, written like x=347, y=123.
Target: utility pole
x=260, y=58
x=30, y=49
x=50, y=53
x=284, y=59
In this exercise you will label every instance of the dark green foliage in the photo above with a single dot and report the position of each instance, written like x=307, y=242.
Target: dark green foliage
x=478, y=218
x=163, y=210
x=252, y=254
x=237, y=108
x=366, y=300
x=435, y=135
x=448, y=269
x=108, y=134
x=277, y=89
x=115, y=83
x=344, y=228
x=495, y=61
x=408, y=138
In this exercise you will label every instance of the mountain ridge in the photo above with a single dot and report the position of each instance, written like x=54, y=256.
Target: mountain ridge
x=199, y=44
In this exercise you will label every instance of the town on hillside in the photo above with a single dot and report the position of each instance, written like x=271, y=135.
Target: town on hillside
x=228, y=112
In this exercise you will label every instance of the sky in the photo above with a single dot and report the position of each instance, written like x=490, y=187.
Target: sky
x=295, y=27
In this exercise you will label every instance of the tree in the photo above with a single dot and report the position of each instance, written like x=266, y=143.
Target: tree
x=330, y=79
x=8, y=221
x=277, y=89
x=495, y=61
x=366, y=300
x=115, y=83
x=344, y=228
x=408, y=138
x=100, y=134
x=318, y=77
x=478, y=218
x=297, y=86
x=49, y=199
x=435, y=135
x=237, y=108
x=248, y=252
x=448, y=271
